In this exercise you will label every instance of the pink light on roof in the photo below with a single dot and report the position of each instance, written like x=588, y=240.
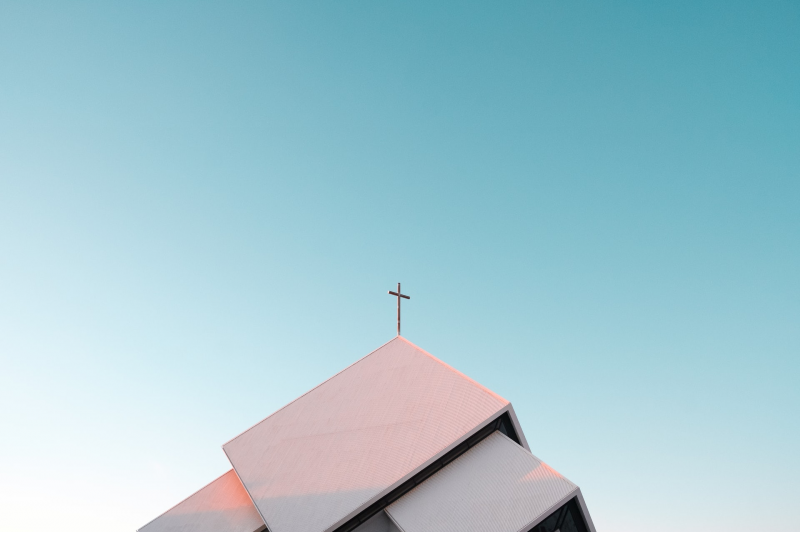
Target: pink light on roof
x=222, y=505
x=326, y=455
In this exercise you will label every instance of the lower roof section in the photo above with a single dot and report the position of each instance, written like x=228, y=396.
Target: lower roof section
x=502, y=423
x=222, y=505
x=495, y=486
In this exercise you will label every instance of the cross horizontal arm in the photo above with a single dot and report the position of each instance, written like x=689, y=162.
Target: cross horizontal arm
x=400, y=295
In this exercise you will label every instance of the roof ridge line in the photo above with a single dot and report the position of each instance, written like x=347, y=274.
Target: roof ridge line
x=486, y=389
x=309, y=392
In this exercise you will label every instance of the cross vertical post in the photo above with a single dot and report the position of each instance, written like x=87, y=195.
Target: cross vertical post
x=399, y=295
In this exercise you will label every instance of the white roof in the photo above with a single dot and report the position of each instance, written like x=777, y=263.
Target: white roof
x=222, y=505
x=494, y=486
x=323, y=458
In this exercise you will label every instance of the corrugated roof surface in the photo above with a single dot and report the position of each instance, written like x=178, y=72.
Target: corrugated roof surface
x=343, y=444
x=222, y=505
x=494, y=486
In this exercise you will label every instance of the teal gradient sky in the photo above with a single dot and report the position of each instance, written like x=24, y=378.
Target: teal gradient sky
x=595, y=208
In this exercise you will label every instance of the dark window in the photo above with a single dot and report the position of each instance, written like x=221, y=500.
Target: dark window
x=568, y=517
x=507, y=428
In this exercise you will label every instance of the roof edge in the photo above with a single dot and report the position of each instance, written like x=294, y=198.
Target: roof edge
x=197, y=492
x=419, y=469
x=308, y=392
x=486, y=389
x=247, y=491
x=518, y=427
x=552, y=508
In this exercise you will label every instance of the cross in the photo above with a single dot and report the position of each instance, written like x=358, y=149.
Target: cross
x=399, y=295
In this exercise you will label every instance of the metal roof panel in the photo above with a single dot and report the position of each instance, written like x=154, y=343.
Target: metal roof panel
x=494, y=486
x=222, y=505
x=339, y=447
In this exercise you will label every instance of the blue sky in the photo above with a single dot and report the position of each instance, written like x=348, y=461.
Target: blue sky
x=594, y=206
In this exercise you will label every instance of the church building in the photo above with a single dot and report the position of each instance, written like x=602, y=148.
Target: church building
x=397, y=441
